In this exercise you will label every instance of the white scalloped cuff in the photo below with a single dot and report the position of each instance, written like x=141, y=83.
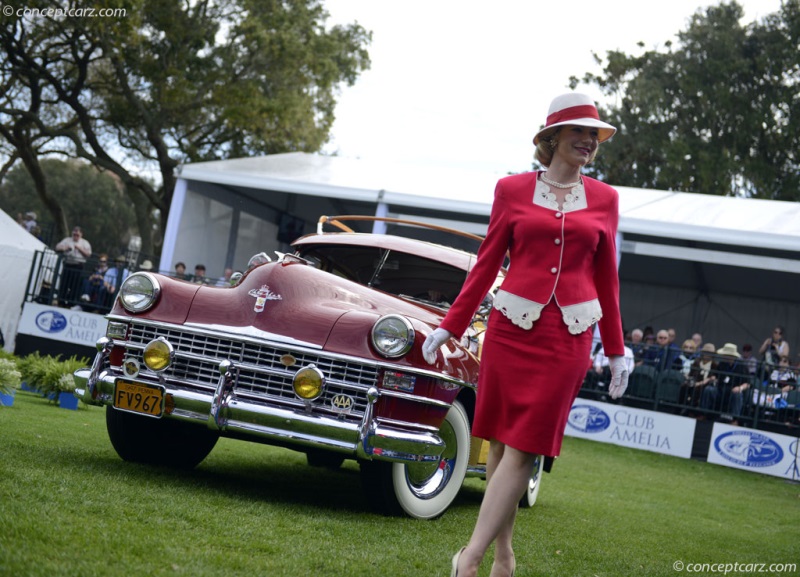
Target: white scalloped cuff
x=523, y=312
x=581, y=316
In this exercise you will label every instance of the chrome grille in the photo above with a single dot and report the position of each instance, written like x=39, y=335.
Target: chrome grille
x=263, y=377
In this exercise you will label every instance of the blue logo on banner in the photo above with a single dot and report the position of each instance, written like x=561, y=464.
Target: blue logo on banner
x=748, y=448
x=51, y=321
x=588, y=419
x=793, y=465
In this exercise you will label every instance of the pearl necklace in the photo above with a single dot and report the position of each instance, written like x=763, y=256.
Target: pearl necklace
x=558, y=184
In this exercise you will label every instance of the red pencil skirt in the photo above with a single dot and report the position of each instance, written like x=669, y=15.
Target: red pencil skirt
x=528, y=381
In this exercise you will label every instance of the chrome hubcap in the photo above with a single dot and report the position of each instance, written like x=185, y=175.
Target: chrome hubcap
x=426, y=480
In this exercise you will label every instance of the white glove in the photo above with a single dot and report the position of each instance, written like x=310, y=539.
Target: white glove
x=619, y=376
x=432, y=344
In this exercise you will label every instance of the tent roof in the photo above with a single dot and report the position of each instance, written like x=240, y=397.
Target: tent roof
x=352, y=179
x=755, y=223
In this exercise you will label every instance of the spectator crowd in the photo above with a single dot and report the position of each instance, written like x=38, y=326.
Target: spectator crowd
x=704, y=381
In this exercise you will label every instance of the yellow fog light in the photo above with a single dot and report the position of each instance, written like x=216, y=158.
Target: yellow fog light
x=308, y=383
x=158, y=354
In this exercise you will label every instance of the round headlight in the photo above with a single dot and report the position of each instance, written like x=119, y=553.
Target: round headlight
x=139, y=292
x=308, y=383
x=392, y=336
x=158, y=354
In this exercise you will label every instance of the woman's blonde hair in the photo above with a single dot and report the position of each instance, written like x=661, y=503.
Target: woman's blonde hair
x=547, y=146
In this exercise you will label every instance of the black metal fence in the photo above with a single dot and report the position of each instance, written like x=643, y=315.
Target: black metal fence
x=750, y=393
x=86, y=286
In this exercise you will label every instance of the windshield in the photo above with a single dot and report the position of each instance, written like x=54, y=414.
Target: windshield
x=394, y=272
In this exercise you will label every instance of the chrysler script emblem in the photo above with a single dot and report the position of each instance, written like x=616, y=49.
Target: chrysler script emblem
x=263, y=295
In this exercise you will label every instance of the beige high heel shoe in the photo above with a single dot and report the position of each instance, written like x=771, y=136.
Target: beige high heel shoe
x=456, y=557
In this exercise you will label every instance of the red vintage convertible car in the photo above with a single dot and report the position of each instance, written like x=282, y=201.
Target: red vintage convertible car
x=317, y=351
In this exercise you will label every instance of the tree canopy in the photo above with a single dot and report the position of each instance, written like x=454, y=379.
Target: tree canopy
x=716, y=113
x=162, y=82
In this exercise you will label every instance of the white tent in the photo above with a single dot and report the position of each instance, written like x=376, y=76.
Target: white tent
x=17, y=250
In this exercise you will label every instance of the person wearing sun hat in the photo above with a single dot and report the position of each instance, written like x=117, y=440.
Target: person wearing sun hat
x=729, y=350
x=559, y=229
x=701, y=373
x=726, y=393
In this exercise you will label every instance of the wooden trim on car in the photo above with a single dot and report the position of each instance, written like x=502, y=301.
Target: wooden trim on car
x=336, y=221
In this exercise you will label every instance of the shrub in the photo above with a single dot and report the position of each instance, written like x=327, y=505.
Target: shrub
x=34, y=369
x=10, y=377
x=27, y=367
x=74, y=363
x=45, y=373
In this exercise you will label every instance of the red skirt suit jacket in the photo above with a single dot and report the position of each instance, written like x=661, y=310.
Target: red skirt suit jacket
x=562, y=278
x=570, y=257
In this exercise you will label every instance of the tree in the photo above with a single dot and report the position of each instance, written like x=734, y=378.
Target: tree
x=91, y=199
x=162, y=82
x=718, y=113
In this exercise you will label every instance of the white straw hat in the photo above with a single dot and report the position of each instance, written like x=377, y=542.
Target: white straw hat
x=728, y=350
x=574, y=109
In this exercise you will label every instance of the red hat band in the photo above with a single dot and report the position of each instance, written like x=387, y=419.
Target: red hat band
x=571, y=113
x=578, y=109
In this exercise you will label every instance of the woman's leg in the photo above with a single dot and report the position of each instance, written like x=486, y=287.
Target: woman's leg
x=503, y=545
x=508, y=471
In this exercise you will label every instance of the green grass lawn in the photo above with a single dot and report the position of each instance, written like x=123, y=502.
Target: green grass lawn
x=69, y=506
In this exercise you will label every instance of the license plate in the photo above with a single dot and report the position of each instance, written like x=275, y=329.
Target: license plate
x=137, y=398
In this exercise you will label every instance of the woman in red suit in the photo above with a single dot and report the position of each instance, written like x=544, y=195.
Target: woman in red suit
x=559, y=229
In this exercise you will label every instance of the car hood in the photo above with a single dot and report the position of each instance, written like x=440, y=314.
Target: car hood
x=292, y=301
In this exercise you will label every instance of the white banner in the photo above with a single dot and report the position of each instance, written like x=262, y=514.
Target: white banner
x=48, y=322
x=631, y=427
x=752, y=450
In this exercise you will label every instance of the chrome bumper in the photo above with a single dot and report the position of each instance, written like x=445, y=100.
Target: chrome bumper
x=242, y=419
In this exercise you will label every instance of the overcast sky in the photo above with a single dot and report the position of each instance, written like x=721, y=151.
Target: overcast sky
x=466, y=83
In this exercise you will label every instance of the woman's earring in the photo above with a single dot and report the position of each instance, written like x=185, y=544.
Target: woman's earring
x=553, y=144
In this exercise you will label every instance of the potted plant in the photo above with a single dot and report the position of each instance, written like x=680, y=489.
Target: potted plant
x=66, y=382
x=25, y=365
x=10, y=378
x=66, y=390
x=51, y=377
x=45, y=373
x=34, y=368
